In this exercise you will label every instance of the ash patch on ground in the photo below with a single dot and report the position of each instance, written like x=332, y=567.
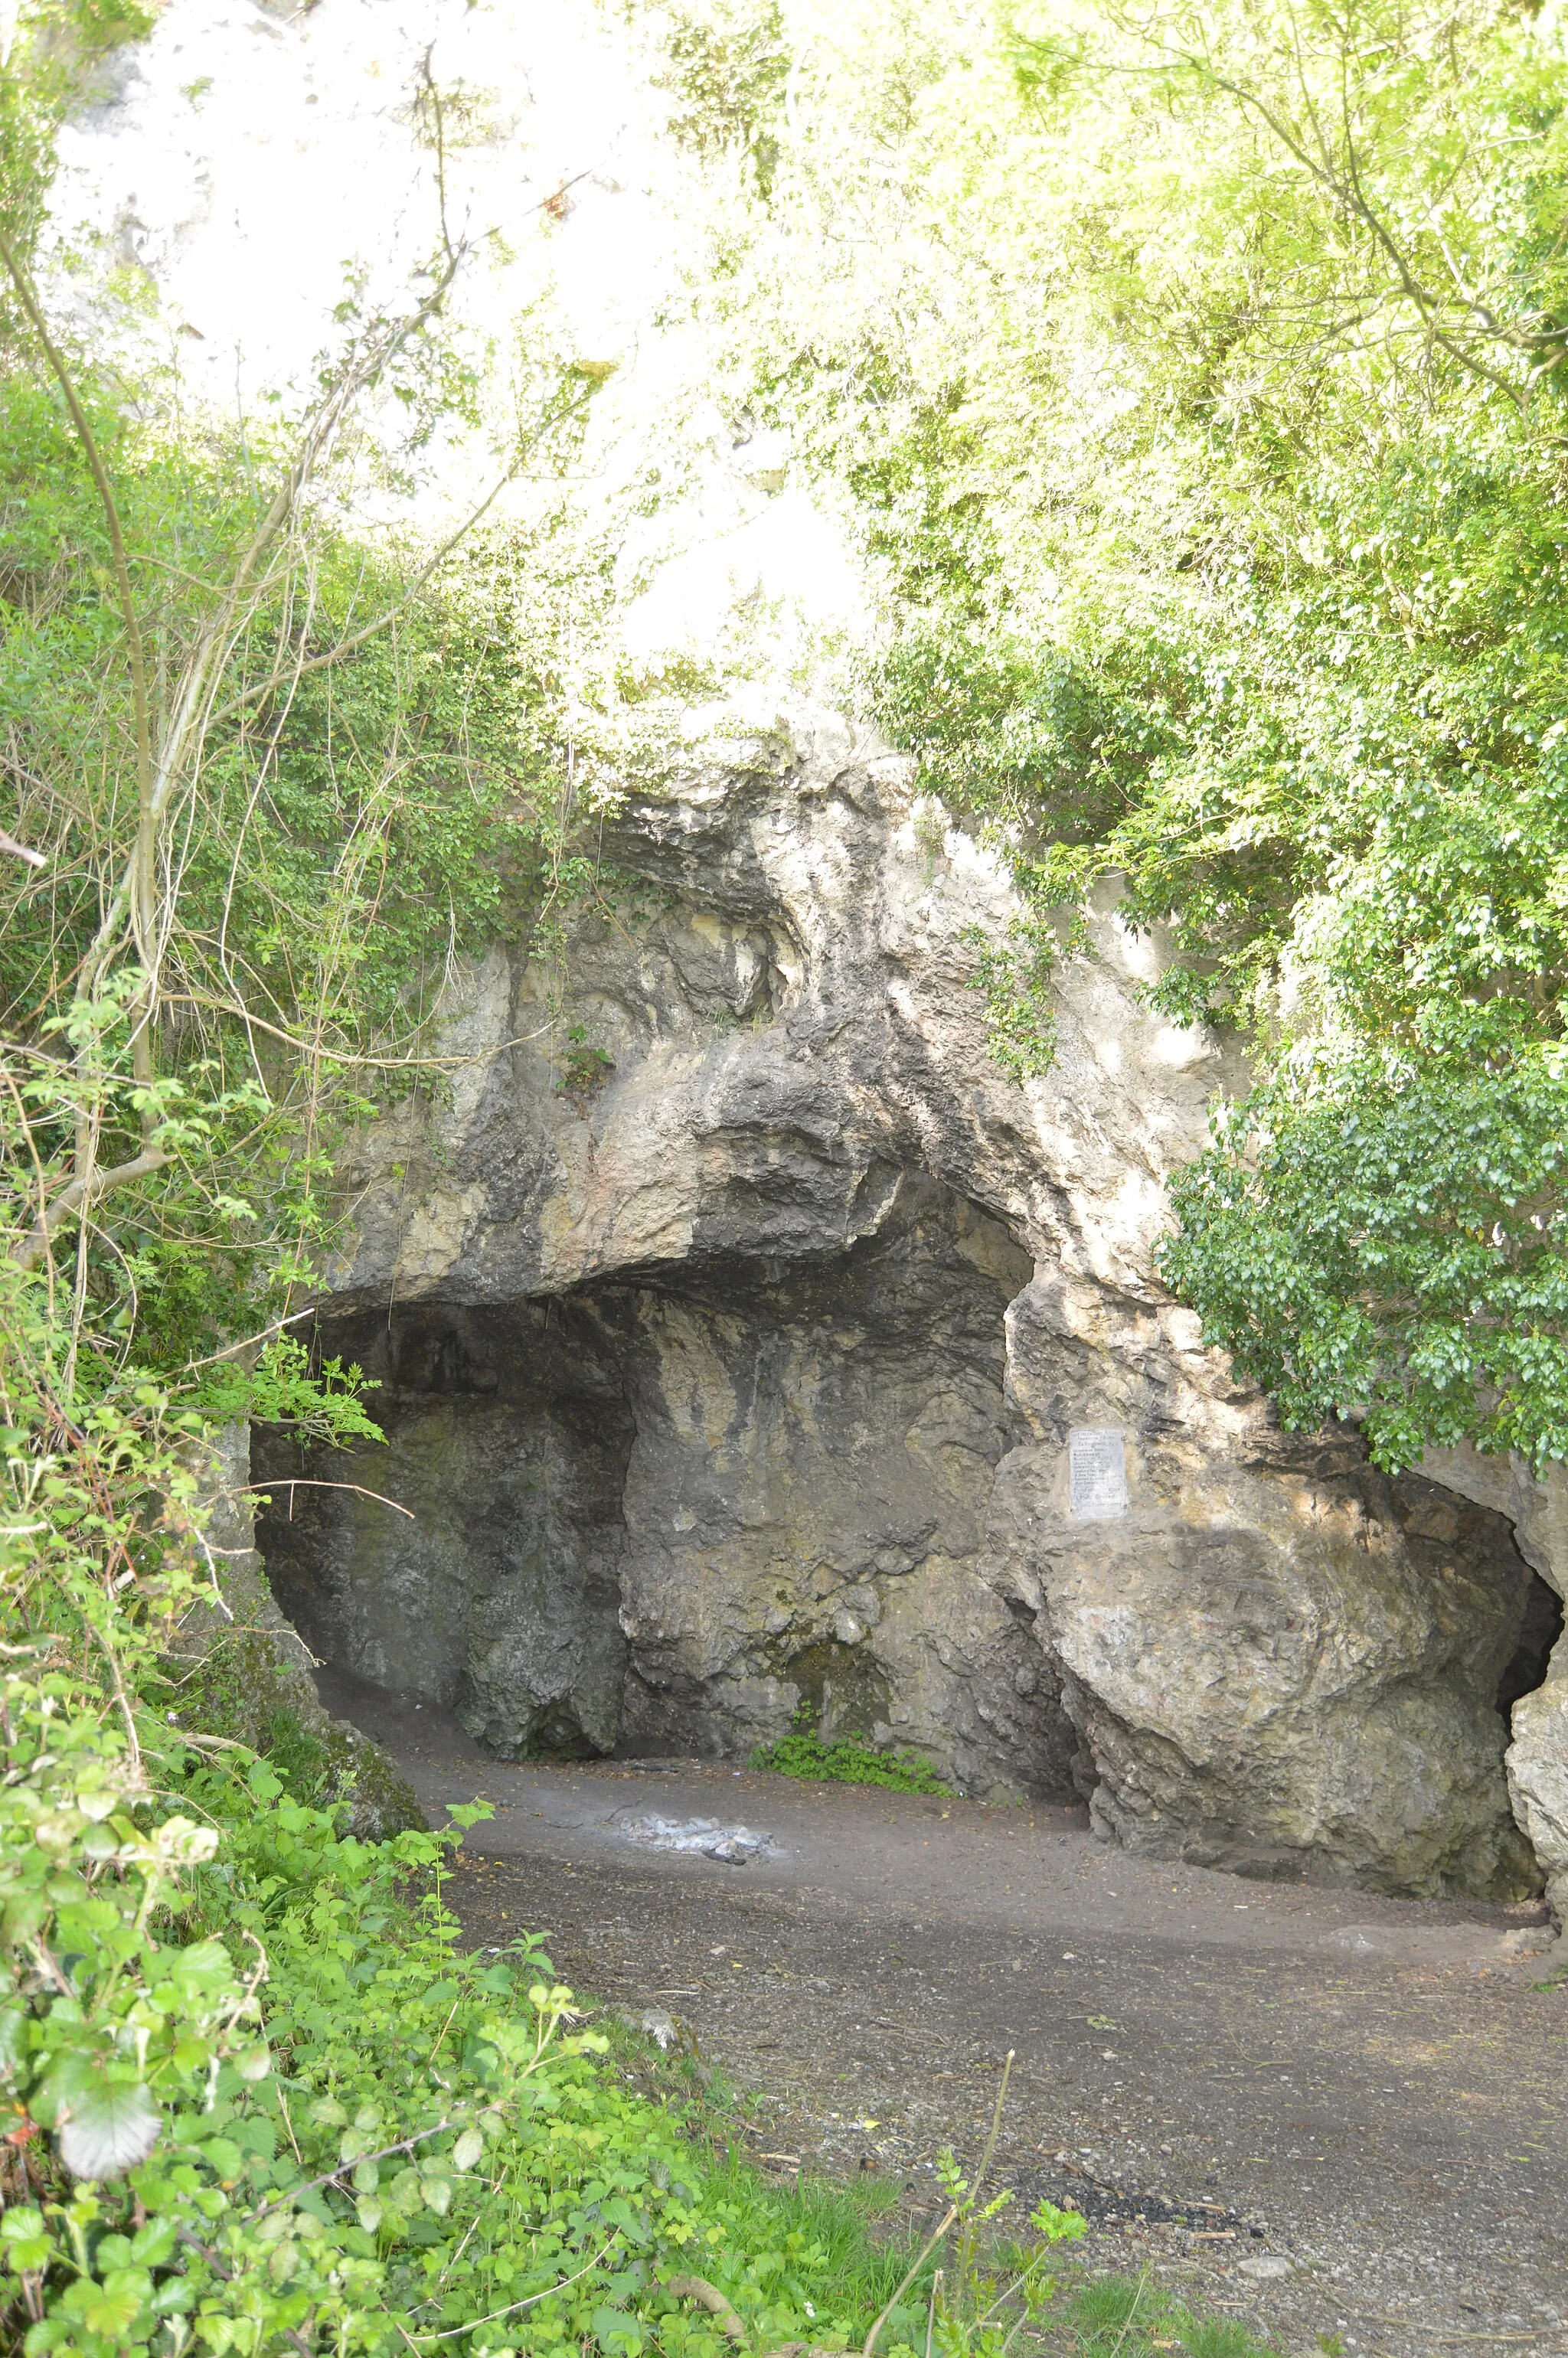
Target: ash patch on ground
x=1070, y=2188
x=701, y=1837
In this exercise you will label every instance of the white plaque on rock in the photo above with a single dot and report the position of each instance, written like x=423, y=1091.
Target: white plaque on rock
x=1097, y=1467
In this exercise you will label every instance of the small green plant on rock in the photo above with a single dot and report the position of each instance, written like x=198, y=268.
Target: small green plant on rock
x=583, y=1067
x=1014, y=976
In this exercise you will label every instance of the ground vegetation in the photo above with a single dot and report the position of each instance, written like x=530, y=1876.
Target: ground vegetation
x=805, y=1752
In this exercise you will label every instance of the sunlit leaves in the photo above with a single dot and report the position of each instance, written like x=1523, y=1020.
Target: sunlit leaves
x=107, y=2129
x=1196, y=375
x=416, y=2136
x=1391, y=1240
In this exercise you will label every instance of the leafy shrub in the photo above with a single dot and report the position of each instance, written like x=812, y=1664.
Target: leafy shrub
x=396, y=2139
x=845, y=1761
x=1397, y=1237
x=1222, y=553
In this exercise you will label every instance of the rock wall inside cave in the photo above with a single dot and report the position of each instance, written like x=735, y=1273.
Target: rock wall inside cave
x=746, y=1337
x=496, y=1590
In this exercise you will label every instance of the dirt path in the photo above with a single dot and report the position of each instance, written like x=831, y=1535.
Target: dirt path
x=1333, y=2115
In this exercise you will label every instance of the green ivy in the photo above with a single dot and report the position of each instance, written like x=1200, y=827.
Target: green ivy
x=1394, y=1242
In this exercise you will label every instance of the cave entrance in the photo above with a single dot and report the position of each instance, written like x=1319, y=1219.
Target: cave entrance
x=1540, y=1628
x=665, y=1513
x=497, y=1594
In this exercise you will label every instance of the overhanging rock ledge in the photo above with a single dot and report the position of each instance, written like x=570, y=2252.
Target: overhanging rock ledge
x=747, y=1339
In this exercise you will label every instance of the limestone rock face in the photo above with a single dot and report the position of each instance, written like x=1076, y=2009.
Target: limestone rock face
x=747, y=1339
x=241, y=1671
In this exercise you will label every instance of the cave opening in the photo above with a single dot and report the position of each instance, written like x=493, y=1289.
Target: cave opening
x=661, y=1514
x=1540, y=1628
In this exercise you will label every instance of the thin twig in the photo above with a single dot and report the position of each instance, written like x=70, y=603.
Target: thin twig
x=1132, y=2311
x=1447, y=2334
x=301, y=1483
x=453, y=2331
x=996, y=2126
x=342, y=1055
x=331, y=2177
x=86, y=436
x=924, y=2254
x=245, y=1344
x=930, y=2311
x=23, y=850
x=297, y=671
x=38, y=1173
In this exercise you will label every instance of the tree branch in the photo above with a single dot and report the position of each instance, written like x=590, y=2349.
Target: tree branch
x=22, y=852
x=142, y=865
x=80, y=1196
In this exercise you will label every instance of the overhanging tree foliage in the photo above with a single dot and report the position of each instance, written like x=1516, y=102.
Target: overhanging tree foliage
x=1199, y=374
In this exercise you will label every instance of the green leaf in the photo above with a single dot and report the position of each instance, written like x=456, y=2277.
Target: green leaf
x=104, y=2134
x=616, y=2332
x=114, y=2307
x=13, y=2028
x=28, y=2243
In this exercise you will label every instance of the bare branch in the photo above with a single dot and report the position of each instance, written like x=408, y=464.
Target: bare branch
x=22, y=852
x=81, y=1194
x=140, y=893
x=192, y=714
x=295, y=672
x=341, y=1055
x=357, y=1487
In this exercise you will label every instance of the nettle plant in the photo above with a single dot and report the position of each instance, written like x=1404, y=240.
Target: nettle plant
x=409, y=2147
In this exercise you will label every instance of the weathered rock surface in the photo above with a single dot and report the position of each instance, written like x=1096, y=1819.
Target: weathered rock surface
x=240, y=1671
x=748, y=1338
x=673, y=1512
x=1537, y=1759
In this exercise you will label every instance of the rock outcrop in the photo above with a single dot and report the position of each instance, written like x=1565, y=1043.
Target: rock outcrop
x=747, y=1339
x=239, y=1670
x=1537, y=1759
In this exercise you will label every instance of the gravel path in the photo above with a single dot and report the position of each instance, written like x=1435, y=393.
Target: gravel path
x=1333, y=2115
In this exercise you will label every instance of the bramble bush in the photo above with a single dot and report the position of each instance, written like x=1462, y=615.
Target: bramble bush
x=261, y=2099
